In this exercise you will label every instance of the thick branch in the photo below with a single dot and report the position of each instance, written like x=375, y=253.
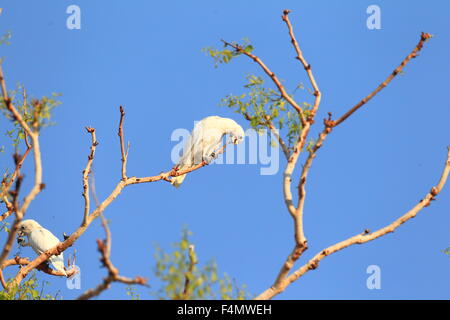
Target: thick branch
x=287, y=183
x=301, y=242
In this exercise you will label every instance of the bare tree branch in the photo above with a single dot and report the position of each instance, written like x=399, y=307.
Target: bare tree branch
x=104, y=247
x=364, y=237
x=122, y=145
x=86, y=172
x=424, y=37
x=305, y=64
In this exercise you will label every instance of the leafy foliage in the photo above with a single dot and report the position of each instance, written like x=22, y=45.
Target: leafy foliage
x=35, y=112
x=132, y=292
x=262, y=105
x=27, y=290
x=174, y=269
x=4, y=227
x=226, y=55
x=4, y=39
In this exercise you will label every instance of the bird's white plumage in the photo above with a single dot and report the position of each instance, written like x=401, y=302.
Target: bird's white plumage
x=205, y=140
x=40, y=240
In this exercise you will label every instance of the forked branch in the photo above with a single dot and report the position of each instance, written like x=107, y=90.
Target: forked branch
x=104, y=247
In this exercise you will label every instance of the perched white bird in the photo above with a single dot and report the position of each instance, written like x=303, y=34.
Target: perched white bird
x=40, y=239
x=205, y=140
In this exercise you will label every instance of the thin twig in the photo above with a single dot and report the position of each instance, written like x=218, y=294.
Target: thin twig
x=305, y=64
x=122, y=145
x=269, y=124
x=424, y=37
x=86, y=172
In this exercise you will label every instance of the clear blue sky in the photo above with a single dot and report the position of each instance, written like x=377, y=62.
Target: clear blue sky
x=146, y=56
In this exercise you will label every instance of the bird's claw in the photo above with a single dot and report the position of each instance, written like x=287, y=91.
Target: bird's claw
x=166, y=177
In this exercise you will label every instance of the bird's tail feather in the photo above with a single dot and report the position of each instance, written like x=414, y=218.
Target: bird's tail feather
x=177, y=181
x=58, y=263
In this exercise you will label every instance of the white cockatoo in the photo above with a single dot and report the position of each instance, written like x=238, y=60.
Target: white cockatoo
x=40, y=239
x=204, y=142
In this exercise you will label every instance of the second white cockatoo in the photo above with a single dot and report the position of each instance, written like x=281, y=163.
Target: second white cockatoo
x=204, y=142
x=40, y=239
